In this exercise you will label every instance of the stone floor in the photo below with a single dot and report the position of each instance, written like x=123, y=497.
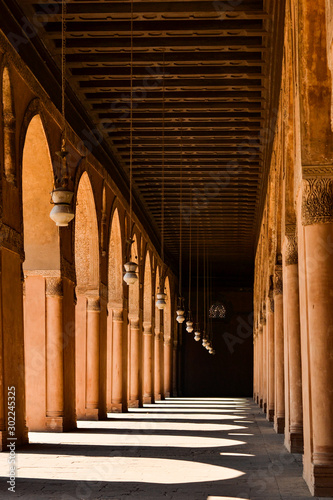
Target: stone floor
x=197, y=449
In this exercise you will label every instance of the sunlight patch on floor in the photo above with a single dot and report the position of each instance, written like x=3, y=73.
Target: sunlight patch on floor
x=142, y=440
x=121, y=469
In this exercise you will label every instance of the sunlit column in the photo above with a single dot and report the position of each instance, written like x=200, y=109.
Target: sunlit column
x=135, y=363
x=92, y=375
x=270, y=359
x=158, y=339
x=54, y=354
x=279, y=415
x=260, y=374
x=293, y=396
x=117, y=360
x=167, y=366
x=147, y=363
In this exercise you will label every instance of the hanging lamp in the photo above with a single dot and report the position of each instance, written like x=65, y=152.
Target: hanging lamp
x=161, y=296
x=181, y=308
x=197, y=333
x=189, y=322
x=62, y=212
x=131, y=274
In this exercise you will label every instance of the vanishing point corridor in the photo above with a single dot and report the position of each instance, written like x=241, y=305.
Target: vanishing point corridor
x=180, y=448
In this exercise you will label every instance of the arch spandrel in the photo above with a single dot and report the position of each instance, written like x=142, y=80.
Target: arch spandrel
x=115, y=273
x=86, y=237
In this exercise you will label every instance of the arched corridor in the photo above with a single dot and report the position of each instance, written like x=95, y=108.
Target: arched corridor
x=166, y=269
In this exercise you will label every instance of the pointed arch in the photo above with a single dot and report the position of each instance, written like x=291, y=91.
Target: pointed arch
x=41, y=235
x=134, y=290
x=147, y=290
x=86, y=237
x=115, y=275
x=167, y=310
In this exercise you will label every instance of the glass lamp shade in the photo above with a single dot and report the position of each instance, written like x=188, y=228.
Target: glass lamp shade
x=180, y=318
x=130, y=276
x=62, y=212
x=180, y=312
x=197, y=336
x=160, y=302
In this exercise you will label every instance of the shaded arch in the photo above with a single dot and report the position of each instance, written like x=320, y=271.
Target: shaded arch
x=115, y=274
x=9, y=127
x=134, y=290
x=157, y=289
x=147, y=290
x=86, y=237
x=41, y=235
x=167, y=310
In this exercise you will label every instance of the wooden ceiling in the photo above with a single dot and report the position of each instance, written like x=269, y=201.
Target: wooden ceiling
x=222, y=65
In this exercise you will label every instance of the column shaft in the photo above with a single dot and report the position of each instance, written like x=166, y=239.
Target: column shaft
x=135, y=364
x=147, y=363
x=117, y=361
x=92, y=375
x=279, y=415
x=167, y=367
x=54, y=355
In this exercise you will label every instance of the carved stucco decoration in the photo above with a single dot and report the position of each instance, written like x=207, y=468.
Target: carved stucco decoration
x=317, y=201
x=291, y=247
x=278, y=284
x=11, y=239
x=54, y=286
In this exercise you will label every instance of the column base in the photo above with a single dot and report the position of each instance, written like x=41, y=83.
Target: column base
x=321, y=481
x=279, y=423
x=116, y=408
x=157, y=397
x=133, y=403
x=270, y=415
x=54, y=424
x=22, y=440
x=167, y=394
x=91, y=414
x=147, y=400
x=294, y=442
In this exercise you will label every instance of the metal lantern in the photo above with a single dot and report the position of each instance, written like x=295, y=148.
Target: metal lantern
x=62, y=212
x=161, y=300
x=189, y=326
x=130, y=276
x=197, y=333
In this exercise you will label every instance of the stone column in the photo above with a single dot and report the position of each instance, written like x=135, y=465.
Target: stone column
x=293, y=396
x=264, y=362
x=174, y=368
x=54, y=354
x=117, y=361
x=270, y=358
x=167, y=367
x=11, y=339
x=279, y=416
x=260, y=374
x=255, y=388
x=92, y=375
x=158, y=339
x=317, y=220
x=135, y=364
x=147, y=363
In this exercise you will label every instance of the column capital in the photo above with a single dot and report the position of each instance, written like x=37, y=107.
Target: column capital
x=278, y=284
x=53, y=286
x=118, y=315
x=317, y=200
x=291, y=247
x=147, y=328
x=93, y=303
